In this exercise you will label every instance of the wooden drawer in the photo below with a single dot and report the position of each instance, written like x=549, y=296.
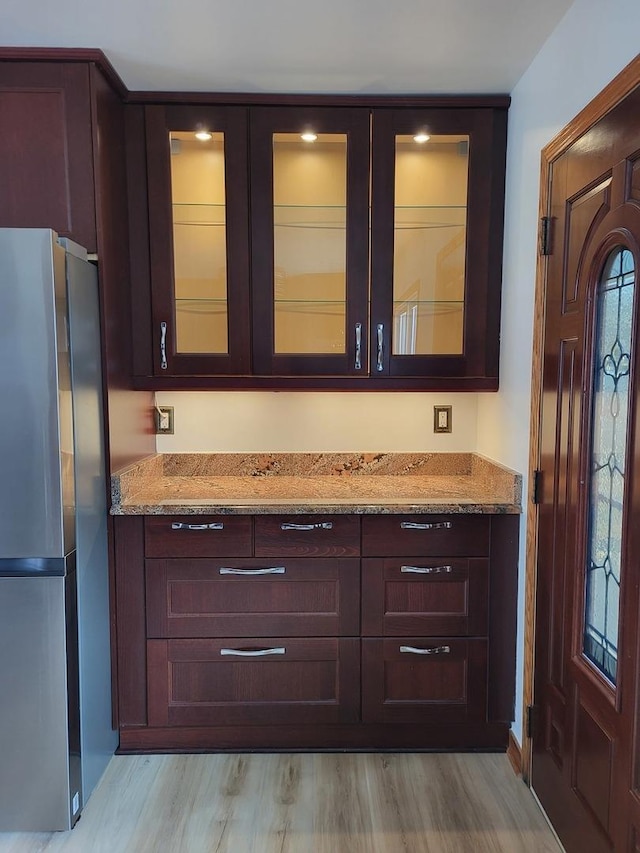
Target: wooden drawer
x=307, y=536
x=242, y=598
x=426, y=535
x=197, y=536
x=401, y=597
x=289, y=681
x=420, y=679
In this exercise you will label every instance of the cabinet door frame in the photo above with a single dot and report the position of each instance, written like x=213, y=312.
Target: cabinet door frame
x=483, y=263
x=446, y=584
x=264, y=122
x=461, y=667
x=226, y=705
x=232, y=121
x=316, y=597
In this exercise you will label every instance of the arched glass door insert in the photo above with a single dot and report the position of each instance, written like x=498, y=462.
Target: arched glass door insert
x=608, y=459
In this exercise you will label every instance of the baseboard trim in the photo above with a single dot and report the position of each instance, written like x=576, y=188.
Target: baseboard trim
x=514, y=754
x=368, y=737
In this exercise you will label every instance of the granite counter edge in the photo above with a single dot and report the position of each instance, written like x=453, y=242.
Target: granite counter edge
x=432, y=508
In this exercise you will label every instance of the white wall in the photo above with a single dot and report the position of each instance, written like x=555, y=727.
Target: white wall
x=592, y=43
x=296, y=421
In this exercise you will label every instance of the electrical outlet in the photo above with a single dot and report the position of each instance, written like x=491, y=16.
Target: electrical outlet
x=164, y=420
x=442, y=418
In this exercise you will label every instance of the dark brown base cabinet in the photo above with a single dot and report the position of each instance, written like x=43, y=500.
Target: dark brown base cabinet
x=315, y=632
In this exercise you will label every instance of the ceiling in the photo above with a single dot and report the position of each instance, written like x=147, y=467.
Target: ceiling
x=353, y=46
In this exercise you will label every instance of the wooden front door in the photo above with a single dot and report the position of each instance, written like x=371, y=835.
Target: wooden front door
x=584, y=764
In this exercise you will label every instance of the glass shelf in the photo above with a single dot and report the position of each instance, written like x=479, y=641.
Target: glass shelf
x=310, y=216
x=201, y=305
x=199, y=214
x=310, y=306
x=334, y=217
x=425, y=217
x=410, y=302
x=309, y=206
x=430, y=207
x=308, y=301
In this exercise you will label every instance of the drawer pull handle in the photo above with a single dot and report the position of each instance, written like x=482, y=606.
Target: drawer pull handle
x=275, y=570
x=216, y=525
x=426, y=570
x=254, y=653
x=319, y=525
x=434, y=525
x=436, y=650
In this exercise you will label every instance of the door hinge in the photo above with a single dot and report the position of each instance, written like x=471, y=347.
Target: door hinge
x=536, y=487
x=545, y=235
x=532, y=721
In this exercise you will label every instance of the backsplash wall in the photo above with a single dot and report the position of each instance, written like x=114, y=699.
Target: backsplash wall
x=298, y=421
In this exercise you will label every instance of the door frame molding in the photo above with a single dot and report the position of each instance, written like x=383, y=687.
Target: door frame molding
x=621, y=86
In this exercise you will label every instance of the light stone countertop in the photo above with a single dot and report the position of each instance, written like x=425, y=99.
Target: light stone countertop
x=302, y=483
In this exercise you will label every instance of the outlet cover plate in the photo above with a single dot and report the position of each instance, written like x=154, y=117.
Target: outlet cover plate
x=163, y=418
x=442, y=418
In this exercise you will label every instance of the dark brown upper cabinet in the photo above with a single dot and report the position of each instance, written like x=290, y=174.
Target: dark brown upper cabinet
x=46, y=149
x=331, y=246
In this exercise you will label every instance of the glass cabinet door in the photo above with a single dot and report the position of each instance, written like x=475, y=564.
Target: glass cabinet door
x=309, y=180
x=429, y=236
x=198, y=216
x=430, y=248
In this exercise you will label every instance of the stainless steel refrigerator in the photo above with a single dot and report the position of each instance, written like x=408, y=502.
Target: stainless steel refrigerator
x=56, y=736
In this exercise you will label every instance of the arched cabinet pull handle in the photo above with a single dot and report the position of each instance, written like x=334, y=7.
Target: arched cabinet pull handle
x=254, y=653
x=216, y=525
x=426, y=570
x=436, y=525
x=275, y=570
x=435, y=650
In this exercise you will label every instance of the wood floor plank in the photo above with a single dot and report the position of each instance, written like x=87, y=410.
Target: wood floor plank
x=303, y=803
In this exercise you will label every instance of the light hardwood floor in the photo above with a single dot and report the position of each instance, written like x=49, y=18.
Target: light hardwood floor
x=303, y=803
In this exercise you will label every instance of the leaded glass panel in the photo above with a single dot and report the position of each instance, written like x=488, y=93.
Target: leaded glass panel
x=613, y=343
